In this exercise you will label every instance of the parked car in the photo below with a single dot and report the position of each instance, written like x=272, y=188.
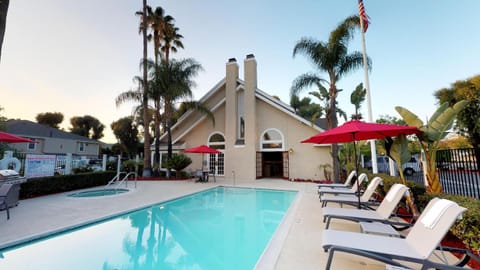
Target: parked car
x=409, y=168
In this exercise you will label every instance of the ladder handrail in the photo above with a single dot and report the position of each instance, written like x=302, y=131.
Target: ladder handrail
x=125, y=179
x=114, y=179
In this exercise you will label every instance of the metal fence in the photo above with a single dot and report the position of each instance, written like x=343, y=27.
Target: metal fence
x=458, y=170
x=76, y=162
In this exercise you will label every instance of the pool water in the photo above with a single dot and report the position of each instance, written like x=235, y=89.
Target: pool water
x=221, y=228
x=98, y=193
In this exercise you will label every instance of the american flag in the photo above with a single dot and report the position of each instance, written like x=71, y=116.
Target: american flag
x=363, y=15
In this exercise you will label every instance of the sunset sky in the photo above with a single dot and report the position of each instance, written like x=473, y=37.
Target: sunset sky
x=75, y=57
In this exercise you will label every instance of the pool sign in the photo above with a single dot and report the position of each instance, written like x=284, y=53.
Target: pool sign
x=39, y=165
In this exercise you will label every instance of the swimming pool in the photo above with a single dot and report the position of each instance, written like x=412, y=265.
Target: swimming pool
x=221, y=228
x=98, y=192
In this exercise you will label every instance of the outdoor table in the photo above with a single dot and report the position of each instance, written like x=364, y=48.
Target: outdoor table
x=378, y=228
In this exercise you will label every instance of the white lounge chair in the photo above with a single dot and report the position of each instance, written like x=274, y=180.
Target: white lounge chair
x=351, y=199
x=381, y=214
x=339, y=191
x=346, y=184
x=422, y=240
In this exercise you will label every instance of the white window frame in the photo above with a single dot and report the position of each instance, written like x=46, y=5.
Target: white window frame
x=34, y=142
x=217, y=143
x=281, y=141
x=82, y=146
x=240, y=115
x=210, y=144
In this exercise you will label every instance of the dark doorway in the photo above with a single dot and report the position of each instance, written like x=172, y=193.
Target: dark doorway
x=272, y=164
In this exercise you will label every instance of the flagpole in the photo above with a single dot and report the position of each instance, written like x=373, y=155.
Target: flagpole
x=373, y=148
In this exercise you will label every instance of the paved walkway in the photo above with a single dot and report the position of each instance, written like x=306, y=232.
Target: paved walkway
x=297, y=244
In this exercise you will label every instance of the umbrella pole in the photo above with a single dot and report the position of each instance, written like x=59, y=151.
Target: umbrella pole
x=356, y=169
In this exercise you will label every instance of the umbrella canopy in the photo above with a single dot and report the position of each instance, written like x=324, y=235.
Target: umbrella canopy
x=10, y=138
x=356, y=130
x=202, y=149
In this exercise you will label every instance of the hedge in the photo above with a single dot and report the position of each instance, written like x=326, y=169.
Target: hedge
x=62, y=183
x=389, y=181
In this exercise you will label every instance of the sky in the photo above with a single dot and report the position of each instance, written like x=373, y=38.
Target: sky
x=76, y=57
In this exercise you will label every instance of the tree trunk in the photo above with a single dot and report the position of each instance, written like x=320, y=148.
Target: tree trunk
x=334, y=124
x=410, y=199
x=147, y=167
x=168, y=114
x=433, y=180
x=156, y=155
x=411, y=205
x=3, y=22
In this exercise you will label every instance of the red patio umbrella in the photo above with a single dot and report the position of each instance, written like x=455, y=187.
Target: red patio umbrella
x=10, y=138
x=356, y=130
x=203, y=149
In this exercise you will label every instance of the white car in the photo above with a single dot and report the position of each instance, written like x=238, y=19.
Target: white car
x=409, y=168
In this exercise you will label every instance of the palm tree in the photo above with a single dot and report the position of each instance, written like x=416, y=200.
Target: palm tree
x=156, y=95
x=308, y=80
x=3, y=21
x=332, y=57
x=175, y=81
x=357, y=98
x=172, y=40
x=137, y=95
x=147, y=167
x=158, y=22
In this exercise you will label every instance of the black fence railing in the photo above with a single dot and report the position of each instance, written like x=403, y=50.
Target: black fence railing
x=459, y=171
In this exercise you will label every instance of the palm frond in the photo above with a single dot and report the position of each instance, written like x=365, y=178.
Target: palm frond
x=305, y=81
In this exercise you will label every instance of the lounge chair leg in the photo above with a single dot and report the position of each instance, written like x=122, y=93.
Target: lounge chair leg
x=329, y=260
x=328, y=223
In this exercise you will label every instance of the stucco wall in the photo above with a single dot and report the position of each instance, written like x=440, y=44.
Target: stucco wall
x=305, y=158
x=201, y=134
x=186, y=124
x=60, y=146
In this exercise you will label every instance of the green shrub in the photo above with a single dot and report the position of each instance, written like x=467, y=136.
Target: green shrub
x=178, y=162
x=389, y=181
x=129, y=165
x=79, y=170
x=62, y=183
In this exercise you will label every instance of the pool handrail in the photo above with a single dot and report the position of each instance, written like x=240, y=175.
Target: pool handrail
x=125, y=179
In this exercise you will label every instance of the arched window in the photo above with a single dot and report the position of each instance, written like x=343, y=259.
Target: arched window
x=217, y=141
x=217, y=161
x=271, y=140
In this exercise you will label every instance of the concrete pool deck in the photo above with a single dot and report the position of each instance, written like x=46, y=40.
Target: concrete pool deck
x=299, y=248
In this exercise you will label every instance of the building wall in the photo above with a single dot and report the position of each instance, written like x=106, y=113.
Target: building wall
x=304, y=159
x=240, y=155
x=59, y=146
x=201, y=134
x=53, y=145
x=194, y=117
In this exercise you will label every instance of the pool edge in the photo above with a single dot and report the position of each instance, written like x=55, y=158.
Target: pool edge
x=269, y=257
